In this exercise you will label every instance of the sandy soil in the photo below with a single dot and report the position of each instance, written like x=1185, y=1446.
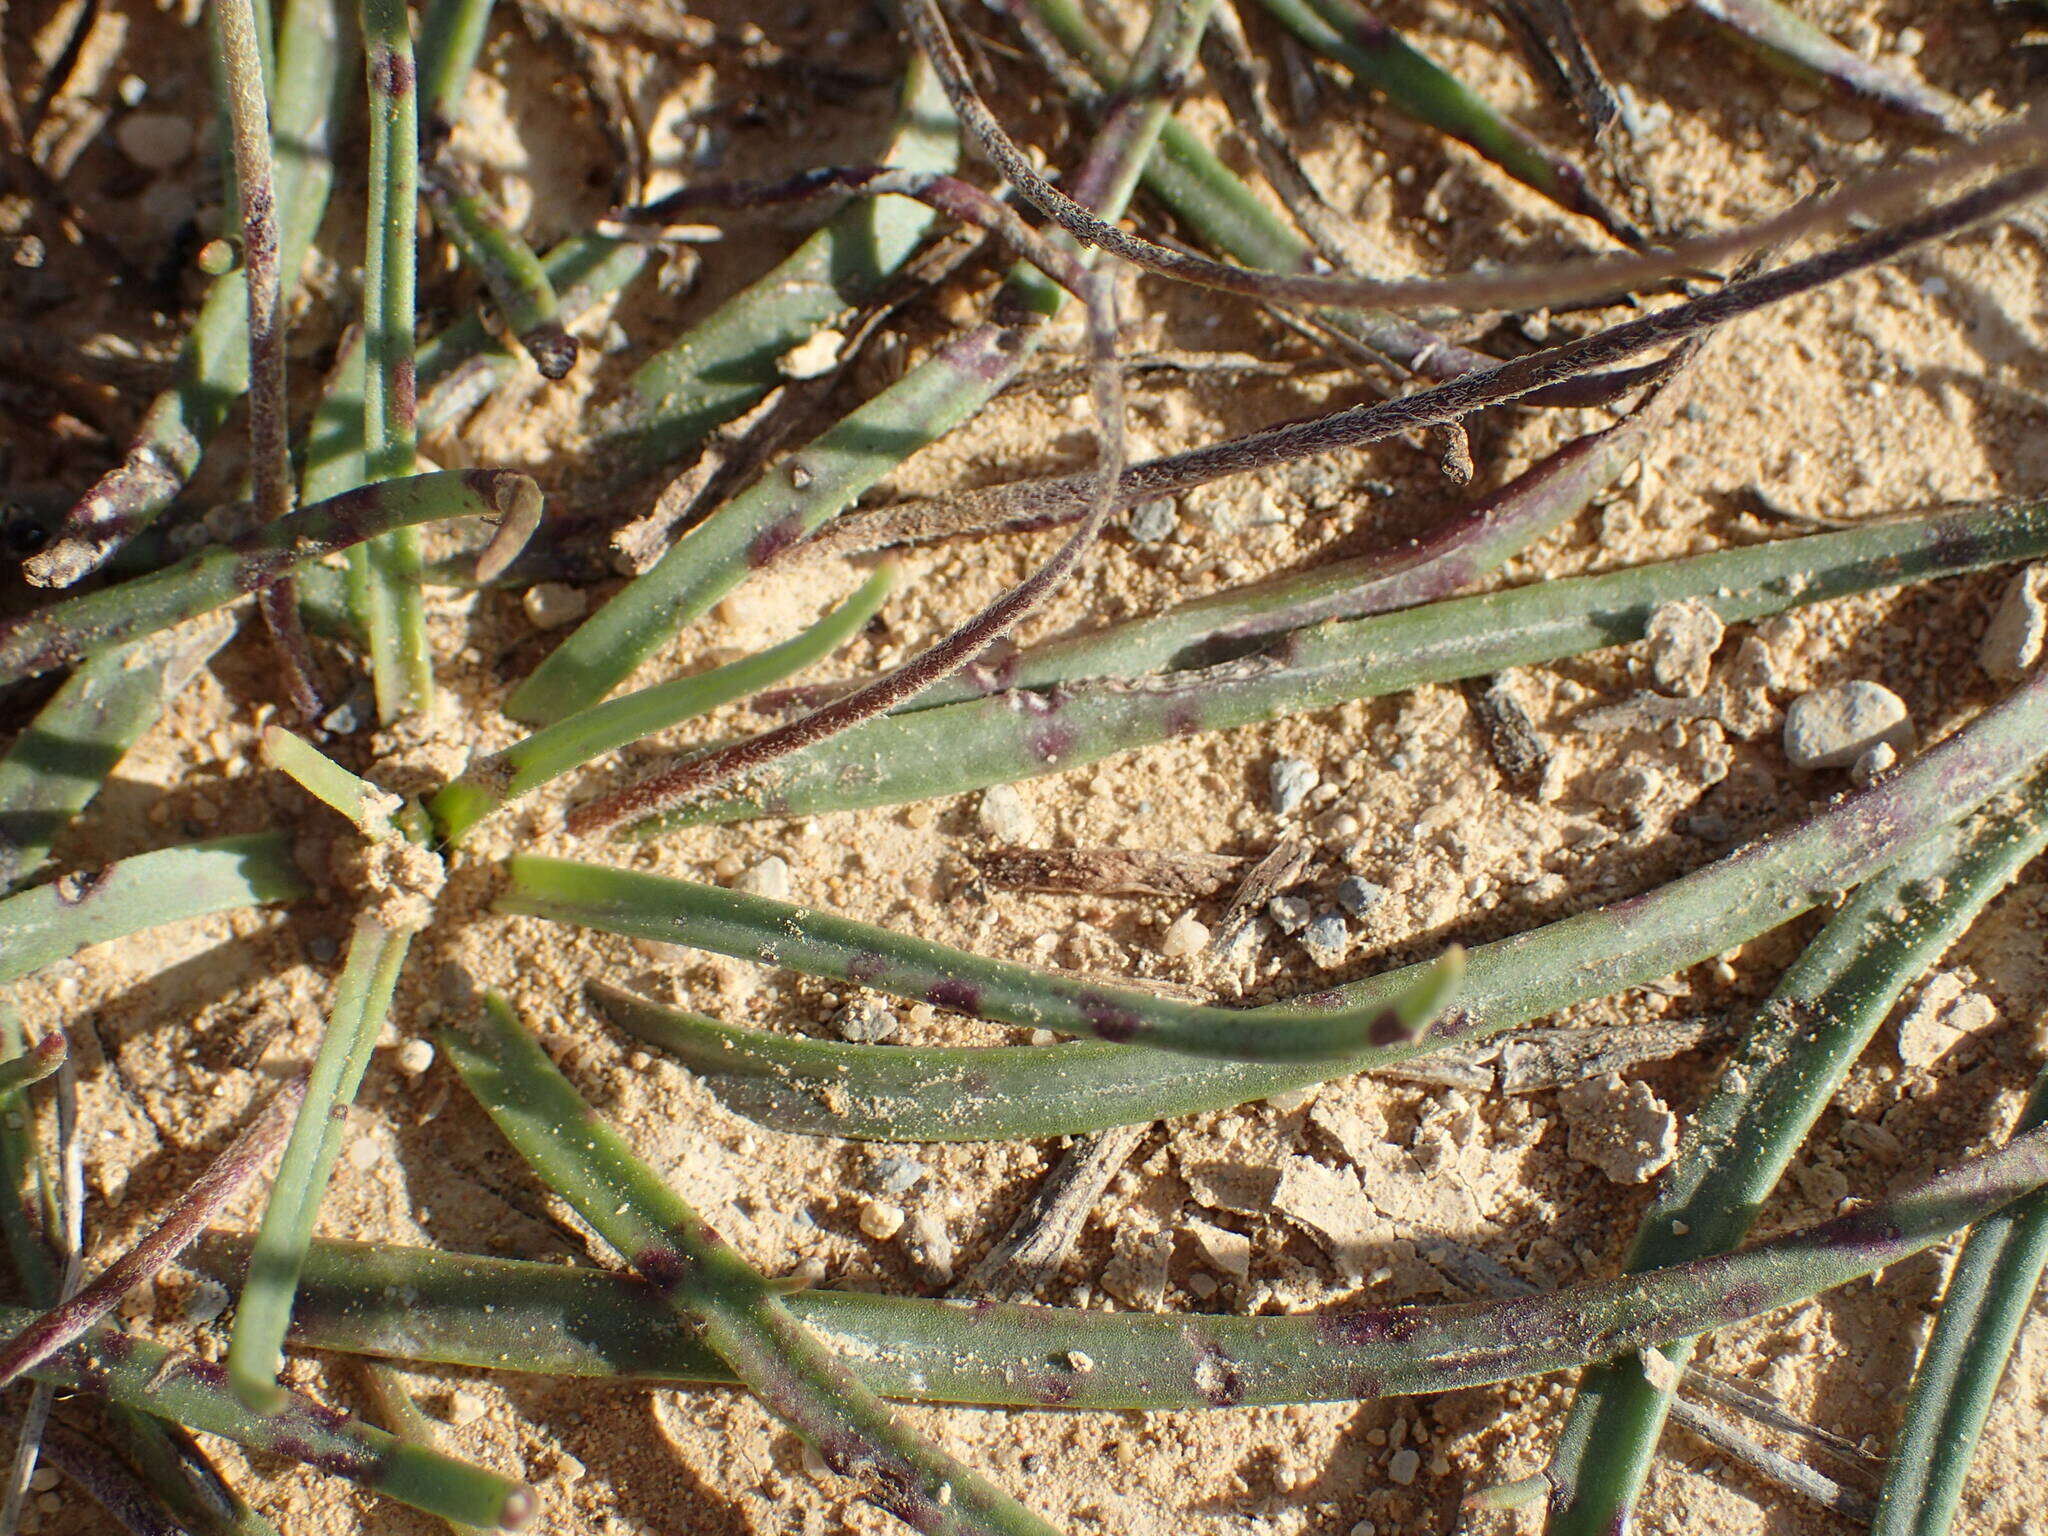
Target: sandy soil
x=1894, y=390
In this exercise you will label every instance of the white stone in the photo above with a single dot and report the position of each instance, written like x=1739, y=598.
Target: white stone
x=415, y=1056
x=881, y=1220
x=1004, y=815
x=768, y=878
x=1404, y=1464
x=2019, y=629
x=1186, y=935
x=1153, y=522
x=867, y=1022
x=551, y=604
x=1291, y=780
x=1326, y=939
x=1874, y=764
x=465, y=1408
x=1683, y=637
x=813, y=358
x=1225, y=1251
x=1833, y=727
x=1290, y=914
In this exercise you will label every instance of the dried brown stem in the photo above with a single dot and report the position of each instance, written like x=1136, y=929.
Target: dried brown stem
x=1042, y=502
x=657, y=793
x=186, y=1220
x=1592, y=278
x=269, y=403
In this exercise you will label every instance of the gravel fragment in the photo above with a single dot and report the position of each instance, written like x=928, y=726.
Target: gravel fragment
x=896, y=1175
x=156, y=141
x=1941, y=1017
x=1136, y=1272
x=881, y=1220
x=1619, y=1127
x=1291, y=781
x=768, y=878
x=551, y=604
x=866, y=1022
x=465, y=1408
x=415, y=1056
x=931, y=1245
x=1874, y=764
x=1185, y=936
x=812, y=358
x=1290, y=914
x=1683, y=637
x=1326, y=939
x=1004, y=815
x=1225, y=1251
x=1833, y=727
x=2019, y=629
x=1359, y=897
x=1404, y=1464
x=1153, y=522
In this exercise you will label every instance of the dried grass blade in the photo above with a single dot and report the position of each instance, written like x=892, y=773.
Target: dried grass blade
x=186, y=1217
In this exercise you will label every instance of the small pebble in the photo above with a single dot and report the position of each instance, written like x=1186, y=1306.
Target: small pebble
x=1944, y=1015
x=44, y=1479
x=1365, y=1528
x=866, y=1022
x=1186, y=935
x=1359, y=897
x=1153, y=522
x=156, y=141
x=2019, y=629
x=1847, y=124
x=768, y=878
x=1326, y=939
x=415, y=1056
x=1290, y=914
x=881, y=1220
x=1833, y=727
x=1291, y=781
x=1404, y=1464
x=1004, y=815
x=1683, y=637
x=346, y=718
x=465, y=1408
x=896, y=1175
x=1080, y=1363
x=1874, y=764
x=323, y=949
x=551, y=604
x=931, y=1245
x=813, y=358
